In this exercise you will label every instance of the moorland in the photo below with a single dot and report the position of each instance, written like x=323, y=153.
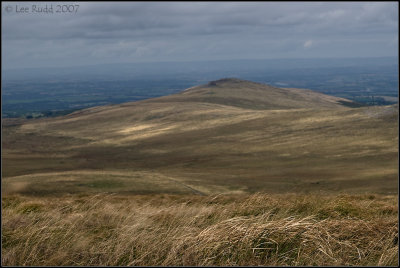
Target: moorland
x=231, y=172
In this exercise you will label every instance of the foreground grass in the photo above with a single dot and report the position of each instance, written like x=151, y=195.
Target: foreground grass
x=256, y=229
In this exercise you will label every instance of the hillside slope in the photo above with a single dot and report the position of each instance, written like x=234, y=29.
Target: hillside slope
x=227, y=136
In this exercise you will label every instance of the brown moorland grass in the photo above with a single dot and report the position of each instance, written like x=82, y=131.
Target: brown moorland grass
x=256, y=229
x=227, y=136
x=210, y=147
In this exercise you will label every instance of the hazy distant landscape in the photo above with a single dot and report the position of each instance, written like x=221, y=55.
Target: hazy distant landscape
x=50, y=92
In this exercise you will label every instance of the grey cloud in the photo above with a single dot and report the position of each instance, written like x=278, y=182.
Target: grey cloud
x=150, y=31
x=174, y=18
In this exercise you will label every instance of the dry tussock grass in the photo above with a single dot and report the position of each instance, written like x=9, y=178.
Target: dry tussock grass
x=166, y=230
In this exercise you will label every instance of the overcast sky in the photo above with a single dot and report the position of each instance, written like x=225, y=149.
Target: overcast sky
x=112, y=32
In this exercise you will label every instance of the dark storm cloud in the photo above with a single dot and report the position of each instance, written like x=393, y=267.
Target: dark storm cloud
x=150, y=31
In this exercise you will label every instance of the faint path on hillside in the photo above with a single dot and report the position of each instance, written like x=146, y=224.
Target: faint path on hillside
x=184, y=185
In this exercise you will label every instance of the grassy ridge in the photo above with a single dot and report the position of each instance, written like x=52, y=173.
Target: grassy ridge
x=251, y=95
x=256, y=229
x=208, y=147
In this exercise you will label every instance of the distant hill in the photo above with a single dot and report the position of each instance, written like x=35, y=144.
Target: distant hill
x=251, y=95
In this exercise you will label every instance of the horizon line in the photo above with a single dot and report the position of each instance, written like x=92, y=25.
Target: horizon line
x=191, y=61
